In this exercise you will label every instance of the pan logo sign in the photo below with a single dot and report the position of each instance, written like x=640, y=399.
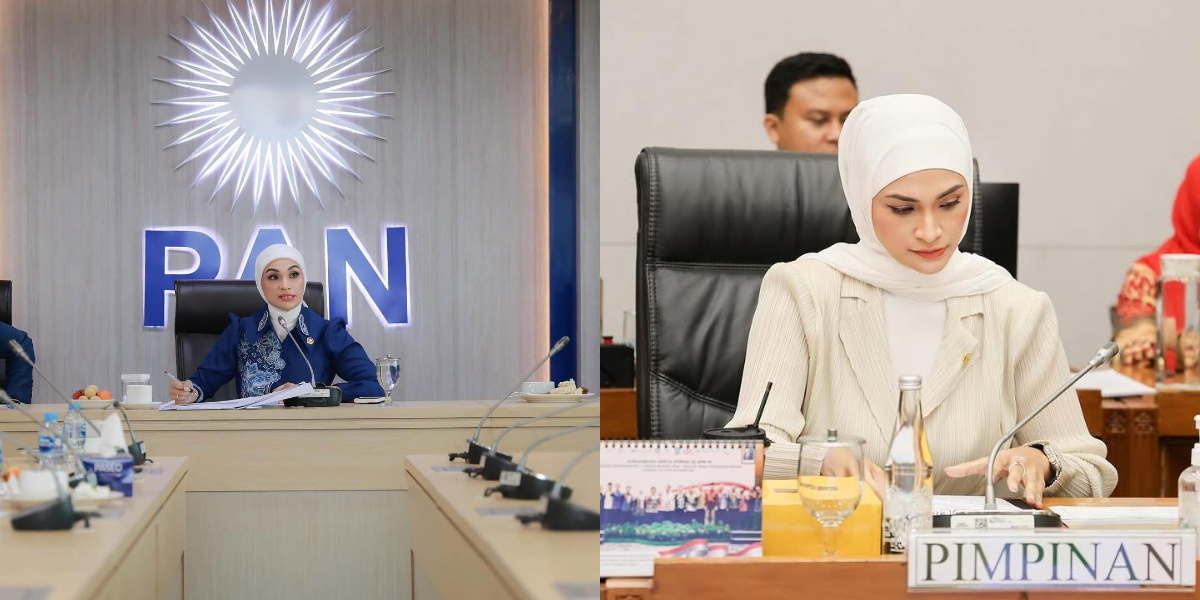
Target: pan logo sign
x=271, y=100
x=347, y=265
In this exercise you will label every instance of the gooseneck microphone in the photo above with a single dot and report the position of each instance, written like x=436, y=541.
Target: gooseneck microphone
x=19, y=351
x=527, y=484
x=560, y=514
x=137, y=448
x=327, y=396
x=1105, y=354
x=475, y=450
x=495, y=463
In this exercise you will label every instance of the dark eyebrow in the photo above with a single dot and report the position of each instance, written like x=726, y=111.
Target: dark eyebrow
x=271, y=269
x=953, y=189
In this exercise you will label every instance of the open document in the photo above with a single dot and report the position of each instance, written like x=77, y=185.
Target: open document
x=272, y=398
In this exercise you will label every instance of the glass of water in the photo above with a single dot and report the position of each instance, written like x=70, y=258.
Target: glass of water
x=829, y=481
x=387, y=369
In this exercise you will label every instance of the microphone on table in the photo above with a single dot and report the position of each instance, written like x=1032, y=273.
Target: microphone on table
x=137, y=448
x=561, y=515
x=475, y=450
x=54, y=515
x=1041, y=518
x=527, y=484
x=494, y=462
x=748, y=432
x=322, y=395
x=71, y=405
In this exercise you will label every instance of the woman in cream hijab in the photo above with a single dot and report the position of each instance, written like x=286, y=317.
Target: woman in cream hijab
x=256, y=349
x=835, y=330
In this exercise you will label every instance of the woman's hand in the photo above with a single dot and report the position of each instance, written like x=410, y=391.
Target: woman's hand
x=182, y=392
x=1024, y=467
x=284, y=387
x=1137, y=343
x=840, y=462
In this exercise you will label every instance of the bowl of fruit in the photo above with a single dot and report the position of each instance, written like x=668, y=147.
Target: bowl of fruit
x=92, y=397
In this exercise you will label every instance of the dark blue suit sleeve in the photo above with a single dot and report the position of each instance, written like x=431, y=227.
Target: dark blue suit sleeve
x=351, y=363
x=18, y=372
x=220, y=365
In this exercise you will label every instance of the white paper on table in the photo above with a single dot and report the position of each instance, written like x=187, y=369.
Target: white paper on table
x=944, y=505
x=1124, y=515
x=252, y=401
x=1113, y=384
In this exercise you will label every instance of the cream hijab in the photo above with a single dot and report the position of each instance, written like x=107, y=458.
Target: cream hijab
x=266, y=257
x=884, y=139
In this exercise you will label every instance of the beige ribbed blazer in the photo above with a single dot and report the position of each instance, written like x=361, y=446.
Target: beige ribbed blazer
x=820, y=337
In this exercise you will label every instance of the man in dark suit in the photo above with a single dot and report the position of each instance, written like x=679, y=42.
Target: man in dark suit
x=18, y=375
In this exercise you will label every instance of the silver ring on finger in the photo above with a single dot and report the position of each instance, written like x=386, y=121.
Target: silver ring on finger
x=1019, y=462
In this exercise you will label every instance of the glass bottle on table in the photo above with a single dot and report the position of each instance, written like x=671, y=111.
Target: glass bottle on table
x=829, y=481
x=909, y=467
x=1177, y=317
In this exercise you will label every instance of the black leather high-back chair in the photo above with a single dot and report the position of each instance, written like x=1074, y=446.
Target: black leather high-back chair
x=6, y=318
x=710, y=224
x=202, y=308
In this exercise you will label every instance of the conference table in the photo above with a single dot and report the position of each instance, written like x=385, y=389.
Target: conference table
x=470, y=545
x=851, y=579
x=313, y=502
x=134, y=550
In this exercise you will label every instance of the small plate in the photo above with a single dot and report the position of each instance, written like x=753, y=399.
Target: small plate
x=21, y=503
x=91, y=404
x=370, y=400
x=556, y=397
x=140, y=405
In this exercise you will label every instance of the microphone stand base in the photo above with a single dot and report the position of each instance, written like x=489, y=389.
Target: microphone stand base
x=321, y=396
x=137, y=450
x=999, y=519
x=561, y=515
x=532, y=486
x=474, y=453
x=57, y=515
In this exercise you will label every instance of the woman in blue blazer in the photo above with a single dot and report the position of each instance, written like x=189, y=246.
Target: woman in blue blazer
x=256, y=350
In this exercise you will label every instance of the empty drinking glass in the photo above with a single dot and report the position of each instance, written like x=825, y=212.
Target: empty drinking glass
x=829, y=481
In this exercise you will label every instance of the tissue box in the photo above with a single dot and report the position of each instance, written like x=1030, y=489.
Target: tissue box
x=788, y=529
x=116, y=472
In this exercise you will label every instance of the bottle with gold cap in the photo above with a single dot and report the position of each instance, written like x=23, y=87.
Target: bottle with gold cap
x=909, y=467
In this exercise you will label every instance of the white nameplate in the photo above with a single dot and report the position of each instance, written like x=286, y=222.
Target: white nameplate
x=317, y=393
x=510, y=478
x=1003, y=521
x=950, y=559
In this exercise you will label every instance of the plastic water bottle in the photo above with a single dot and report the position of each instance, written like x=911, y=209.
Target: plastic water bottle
x=49, y=445
x=1189, y=491
x=74, y=432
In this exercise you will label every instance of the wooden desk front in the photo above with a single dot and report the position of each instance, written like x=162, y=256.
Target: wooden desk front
x=459, y=553
x=138, y=554
x=885, y=577
x=313, y=502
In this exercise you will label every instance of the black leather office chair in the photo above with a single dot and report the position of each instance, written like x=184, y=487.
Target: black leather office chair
x=6, y=318
x=710, y=224
x=202, y=308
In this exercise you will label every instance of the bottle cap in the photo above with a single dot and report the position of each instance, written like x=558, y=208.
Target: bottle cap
x=51, y=416
x=910, y=382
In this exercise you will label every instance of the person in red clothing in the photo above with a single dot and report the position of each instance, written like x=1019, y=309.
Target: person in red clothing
x=1136, y=333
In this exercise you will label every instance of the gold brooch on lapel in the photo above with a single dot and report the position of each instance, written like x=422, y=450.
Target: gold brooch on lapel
x=966, y=357
x=310, y=342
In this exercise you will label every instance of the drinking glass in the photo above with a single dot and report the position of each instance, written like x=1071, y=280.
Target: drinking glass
x=387, y=369
x=829, y=481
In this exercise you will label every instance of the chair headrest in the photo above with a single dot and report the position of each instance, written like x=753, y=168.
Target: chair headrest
x=203, y=305
x=740, y=206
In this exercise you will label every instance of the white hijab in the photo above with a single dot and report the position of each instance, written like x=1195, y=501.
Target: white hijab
x=884, y=139
x=266, y=257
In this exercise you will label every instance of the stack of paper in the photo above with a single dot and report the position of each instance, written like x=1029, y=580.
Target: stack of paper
x=945, y=505
x=272, y=398
x=1113, y=384
x=1082, y=516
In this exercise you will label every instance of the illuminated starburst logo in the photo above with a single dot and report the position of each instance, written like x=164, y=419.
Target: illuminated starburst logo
x=271, y=98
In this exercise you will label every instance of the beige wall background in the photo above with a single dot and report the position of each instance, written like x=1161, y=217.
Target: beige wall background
x=82, y=172
x=1090, y=106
